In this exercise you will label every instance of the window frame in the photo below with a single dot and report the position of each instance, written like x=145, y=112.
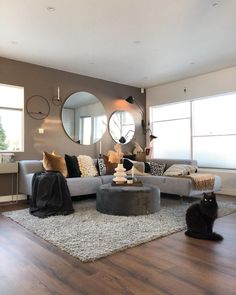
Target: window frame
x=192, y=136
x=22, y=110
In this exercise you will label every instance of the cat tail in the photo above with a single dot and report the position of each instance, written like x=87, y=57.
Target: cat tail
x=211, y=237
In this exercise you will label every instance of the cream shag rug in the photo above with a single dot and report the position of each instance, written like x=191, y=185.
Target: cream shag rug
x=89, y=235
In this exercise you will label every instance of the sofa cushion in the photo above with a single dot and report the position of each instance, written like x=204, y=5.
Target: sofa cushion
x=101, y=167
x=52, y=162
x=87, y=166
x=180, y=169
x=147, y=168
x=72, y=166
x=130, y=157
x=110, y=167
x=127, y=164
x=157, y=169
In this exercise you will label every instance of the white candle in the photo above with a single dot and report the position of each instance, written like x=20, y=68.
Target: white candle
x=132, y=172
x=58, y=93
x=100, y=147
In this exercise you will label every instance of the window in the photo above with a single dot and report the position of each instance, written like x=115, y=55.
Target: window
x=99, y=127
x=11, y=118
x=86, y=130
x=214, y=131
x=171, y=124
x=203, y=129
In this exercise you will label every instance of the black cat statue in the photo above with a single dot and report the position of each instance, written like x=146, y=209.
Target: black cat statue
x=200, y=219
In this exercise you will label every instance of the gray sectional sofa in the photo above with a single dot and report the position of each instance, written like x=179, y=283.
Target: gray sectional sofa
x=88, y=185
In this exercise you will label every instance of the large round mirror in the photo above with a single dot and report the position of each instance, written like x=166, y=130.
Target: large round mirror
x=84, y=118
x=121, y=127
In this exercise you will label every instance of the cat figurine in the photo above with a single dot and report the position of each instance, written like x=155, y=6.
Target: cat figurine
x=200, y=219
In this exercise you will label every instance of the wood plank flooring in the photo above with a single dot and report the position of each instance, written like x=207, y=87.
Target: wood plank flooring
x=172, y=265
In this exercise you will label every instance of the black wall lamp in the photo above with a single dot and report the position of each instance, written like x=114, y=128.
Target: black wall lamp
x=151, y=136
x=131, y=100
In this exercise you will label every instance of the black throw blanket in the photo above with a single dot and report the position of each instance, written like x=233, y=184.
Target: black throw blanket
x=50, y=195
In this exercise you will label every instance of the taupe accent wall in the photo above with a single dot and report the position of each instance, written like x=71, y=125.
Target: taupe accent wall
x=44, y=81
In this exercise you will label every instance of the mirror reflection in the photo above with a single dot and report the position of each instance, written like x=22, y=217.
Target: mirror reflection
x=121, y=127
x=84, y=118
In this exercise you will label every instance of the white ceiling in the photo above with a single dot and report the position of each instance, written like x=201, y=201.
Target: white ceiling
x=134, y=42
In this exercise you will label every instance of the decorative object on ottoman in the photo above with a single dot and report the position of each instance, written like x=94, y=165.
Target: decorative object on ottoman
x=120, y=175
x=128, y=200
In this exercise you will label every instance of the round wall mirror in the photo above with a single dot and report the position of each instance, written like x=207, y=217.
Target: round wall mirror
x=84, y=118
x=121, y=127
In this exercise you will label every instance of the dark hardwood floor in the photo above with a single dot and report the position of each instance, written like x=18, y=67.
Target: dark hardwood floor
x=172, y=265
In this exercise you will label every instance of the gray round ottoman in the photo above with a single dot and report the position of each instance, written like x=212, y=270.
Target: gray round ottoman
x=128, y=200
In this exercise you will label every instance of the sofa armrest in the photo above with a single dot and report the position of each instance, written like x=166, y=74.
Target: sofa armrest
x=27, y=167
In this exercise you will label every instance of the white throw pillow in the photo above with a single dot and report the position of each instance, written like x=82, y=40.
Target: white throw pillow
x=180, y=169
x=87, y=166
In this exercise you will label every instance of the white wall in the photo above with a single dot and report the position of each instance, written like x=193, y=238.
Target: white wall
x=218, y=82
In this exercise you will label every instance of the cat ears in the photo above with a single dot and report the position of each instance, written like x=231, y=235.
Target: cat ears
x=211, y=195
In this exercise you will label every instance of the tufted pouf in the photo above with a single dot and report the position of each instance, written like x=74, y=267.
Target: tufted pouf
x=128, y=200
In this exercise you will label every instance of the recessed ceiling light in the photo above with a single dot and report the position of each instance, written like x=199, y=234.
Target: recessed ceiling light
x=215, y=3
x=51, y=8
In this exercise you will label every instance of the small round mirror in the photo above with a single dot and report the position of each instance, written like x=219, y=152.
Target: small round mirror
x=121, y=127
x=84, y=118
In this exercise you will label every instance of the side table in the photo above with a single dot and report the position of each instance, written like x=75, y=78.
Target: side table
x=11, y=168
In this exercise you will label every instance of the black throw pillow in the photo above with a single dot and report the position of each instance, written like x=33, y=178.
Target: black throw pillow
x=147, y=168
x=130, y=157
x=72, y=166
x=127, y=164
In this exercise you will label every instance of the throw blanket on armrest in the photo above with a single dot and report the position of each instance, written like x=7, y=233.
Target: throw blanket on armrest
x=202, y=181
x=50, y=195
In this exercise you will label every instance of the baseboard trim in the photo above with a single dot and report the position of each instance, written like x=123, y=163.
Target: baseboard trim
x=14, y=198
x=227, y=192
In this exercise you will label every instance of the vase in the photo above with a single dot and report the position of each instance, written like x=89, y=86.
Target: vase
x=120, y=175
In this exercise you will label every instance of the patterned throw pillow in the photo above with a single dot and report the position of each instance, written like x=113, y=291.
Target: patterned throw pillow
x=157, y=169
x=101, y=166
x=87, y=166
x=180, y=169
x=53, y=162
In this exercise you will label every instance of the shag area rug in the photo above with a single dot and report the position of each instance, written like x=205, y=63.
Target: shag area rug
x=89, y=235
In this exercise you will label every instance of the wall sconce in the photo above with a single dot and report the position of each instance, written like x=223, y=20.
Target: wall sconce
x=151, y=136
x=131, y=100
x=56, y=100
x=123, y=138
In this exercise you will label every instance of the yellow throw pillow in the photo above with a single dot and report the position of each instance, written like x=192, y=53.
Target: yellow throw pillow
x=52, y=162
x=87, y=166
